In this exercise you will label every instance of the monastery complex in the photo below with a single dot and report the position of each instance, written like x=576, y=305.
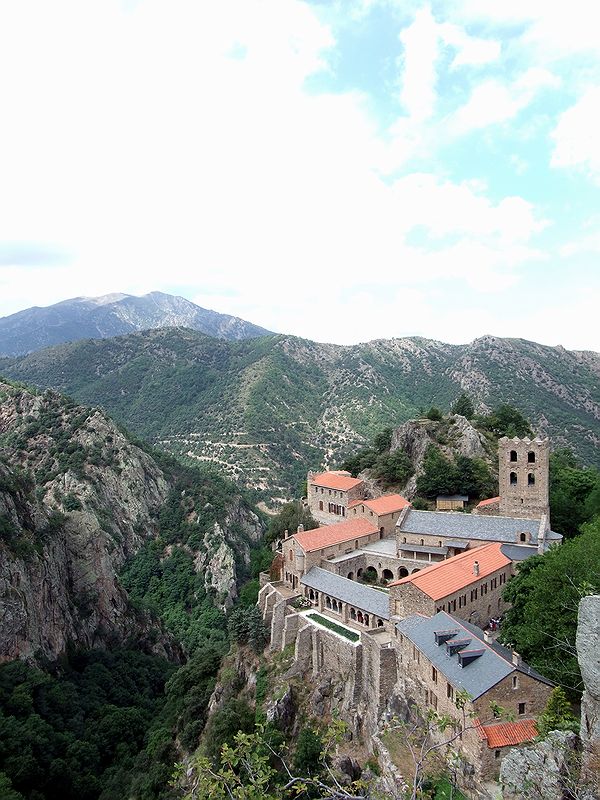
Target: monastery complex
x=425, y=635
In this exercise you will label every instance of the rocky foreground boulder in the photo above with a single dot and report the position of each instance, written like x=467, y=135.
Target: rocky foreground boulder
x=588, y=654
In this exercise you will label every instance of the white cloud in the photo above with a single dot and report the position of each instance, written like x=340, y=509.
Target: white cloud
x=471, y=50
x=493, y=101
x=577, y=136
x=421, y=50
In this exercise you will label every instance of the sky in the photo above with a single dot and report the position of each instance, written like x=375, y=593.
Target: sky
x=341, y=170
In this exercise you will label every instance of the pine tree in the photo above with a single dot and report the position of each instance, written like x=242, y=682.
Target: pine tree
x=557, y=716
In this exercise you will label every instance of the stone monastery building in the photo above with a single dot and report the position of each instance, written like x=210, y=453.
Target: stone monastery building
x=421, y=636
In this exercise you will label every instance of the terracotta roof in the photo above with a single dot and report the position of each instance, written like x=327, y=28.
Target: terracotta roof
x=450, y=576
x=505, y=734
x=331, y=480
x=335, y=534
x=490, y=501
x=387, y=504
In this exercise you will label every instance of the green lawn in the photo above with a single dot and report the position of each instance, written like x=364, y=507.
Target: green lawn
x=333, y=626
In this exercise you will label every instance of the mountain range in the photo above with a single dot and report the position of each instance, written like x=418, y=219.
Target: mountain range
x=113, y=315
x=264, y=410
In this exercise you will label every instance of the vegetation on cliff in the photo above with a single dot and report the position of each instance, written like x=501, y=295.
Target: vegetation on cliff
x=544, y=596
x=264, y=409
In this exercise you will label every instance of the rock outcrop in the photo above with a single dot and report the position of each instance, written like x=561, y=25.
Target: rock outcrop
x=453, y=436
x=546, y=770
x=588, y=654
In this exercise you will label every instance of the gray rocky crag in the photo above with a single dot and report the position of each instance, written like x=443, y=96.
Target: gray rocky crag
x=588, y=654
x=545, y=770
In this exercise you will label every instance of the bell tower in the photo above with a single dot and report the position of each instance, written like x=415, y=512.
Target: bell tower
x=523, y=478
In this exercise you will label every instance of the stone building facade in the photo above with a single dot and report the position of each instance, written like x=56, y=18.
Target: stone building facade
x=523, y=468
x=329, y=495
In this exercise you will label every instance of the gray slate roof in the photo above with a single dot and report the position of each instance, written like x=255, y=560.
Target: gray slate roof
x=356, y=594
x=518, y=552
x=462, y=497
x=471, y=526
x=477, y=677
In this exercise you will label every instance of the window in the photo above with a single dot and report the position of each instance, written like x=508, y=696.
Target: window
x=496, y=753
x=434, y=674
x=531, y=457
x=422, y=541
x=521, y=708
x=450, y=691
x=433, y=700
x=515, y=682
x=320, y=505
x=523, y=537
x=513, y=455
x=531, y=479
x=291, y=558
x=513, y=478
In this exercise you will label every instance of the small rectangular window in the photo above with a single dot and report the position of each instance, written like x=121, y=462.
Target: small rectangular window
x=521, y=708
x=515, y=682
x=434, y=674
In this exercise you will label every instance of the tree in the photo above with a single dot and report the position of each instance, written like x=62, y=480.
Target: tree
x=544, y=596
x=574, y=492
x=434, y=414
x=557, y=716
x=288, y=519
x=393, y=469
x=463, y=405
x=508, y=421
x=246, y=626
x=251, y=768
x=383, y=440
x=439, y=474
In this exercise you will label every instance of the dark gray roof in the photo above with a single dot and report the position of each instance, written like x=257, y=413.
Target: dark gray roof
x=462, y=497
x=457, y=545
x=476, y=677
x=421, y=548
x=356, y=594
x=471, y=526
x=518, y=552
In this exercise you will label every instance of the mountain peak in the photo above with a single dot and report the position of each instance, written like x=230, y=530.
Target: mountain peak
x=114, y=314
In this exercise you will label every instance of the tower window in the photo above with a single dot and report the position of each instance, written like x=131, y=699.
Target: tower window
x=523, y=537
x=513, y=455
x=531, y=479
x=531, y=457
x=513, y=478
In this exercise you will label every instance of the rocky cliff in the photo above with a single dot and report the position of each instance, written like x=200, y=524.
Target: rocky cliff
x=588, y=654
x=454, y=435
x=78, y=498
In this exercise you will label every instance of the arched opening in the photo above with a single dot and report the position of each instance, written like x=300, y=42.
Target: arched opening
x=370, y=575
x=353, y=613
x=531, y=457
x=366, y=619
x=530, y=479
x=513, y=455
x=387, y=575
x=416, y=569
x=402, y=572
x=380, y=623
x=359, y=573
x=381, y=532
x=360, y=618
x=335, y=606
x=513, y=478
x=350, y=576
x=523, y=537
x=311, y=595
x=328, y=602
x=422, y=542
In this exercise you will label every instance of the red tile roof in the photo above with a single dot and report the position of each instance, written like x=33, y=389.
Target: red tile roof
x=335, y=534
x=488, y=502
x=456, y=573
x=504, y=734
x=387, y=504
x=332, y=480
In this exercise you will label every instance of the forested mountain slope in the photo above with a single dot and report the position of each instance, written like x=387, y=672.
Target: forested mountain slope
x=265, y=409
x=113, y=315
x=77, y=499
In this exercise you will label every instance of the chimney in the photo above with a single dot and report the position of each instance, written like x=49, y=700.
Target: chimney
x=476, y=568
x=487, y=637
x=300, y=528
x=286, y=533
x=516, y=658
